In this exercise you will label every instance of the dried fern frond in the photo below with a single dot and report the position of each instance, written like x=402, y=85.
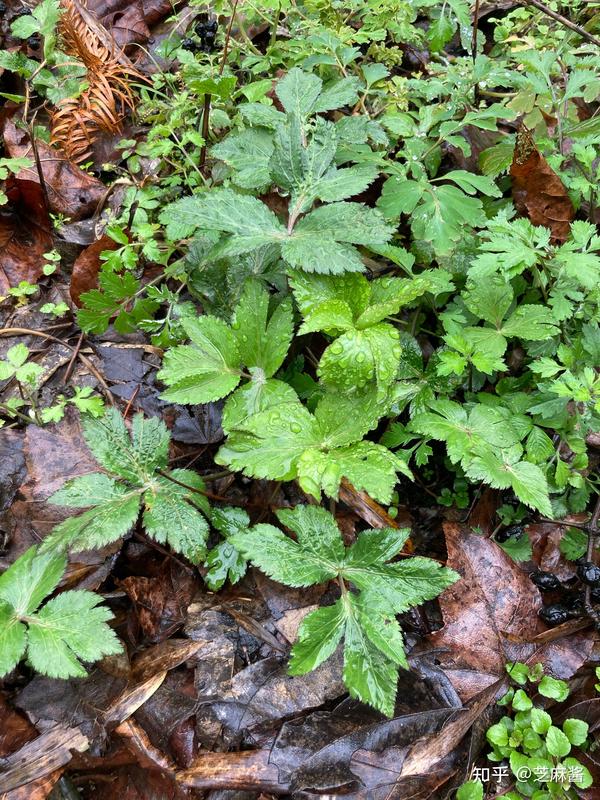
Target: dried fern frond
x=77, y=122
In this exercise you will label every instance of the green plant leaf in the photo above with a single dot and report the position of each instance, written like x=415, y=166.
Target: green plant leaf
x=70, y=627
x=298, y=92
x=557, y=743
x=576, y=731
x=318, y=638
x=208, y=369
x=262, y=343
x=171, y=514
x=248, y=153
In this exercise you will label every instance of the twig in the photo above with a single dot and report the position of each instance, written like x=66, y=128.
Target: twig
x=475, y=31
x=88, y=364
x=592, y=535
x=563, y=20
x=207, y=97
x=69, y=368
x=203, y=492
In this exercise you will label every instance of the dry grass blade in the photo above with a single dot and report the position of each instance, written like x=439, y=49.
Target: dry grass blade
x=77, y=122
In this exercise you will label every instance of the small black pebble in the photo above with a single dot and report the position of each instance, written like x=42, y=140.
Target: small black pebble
x=545, y=580
x=554, y=615
x=589, y=573
x=595, y=594
x=34, y=41
x=514, y=532
x=2, y=7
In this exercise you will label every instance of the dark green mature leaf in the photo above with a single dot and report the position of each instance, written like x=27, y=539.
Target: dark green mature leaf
x=171, y=514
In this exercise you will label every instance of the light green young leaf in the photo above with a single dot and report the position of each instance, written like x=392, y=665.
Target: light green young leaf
x=261, y=343
x=70, y=627
x=557, y=743
x=206, y=370
x=13, y=639
x=67, y=627
x=224, y=561
x=31, y=578
x=99, y=526
x=255, y=396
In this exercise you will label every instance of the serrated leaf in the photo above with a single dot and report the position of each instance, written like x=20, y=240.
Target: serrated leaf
x=110, y=444
x=340, y=184
x=268, y=444
x=224, y=563
x=533, y=323
x=255, y=396
x=368, y=674
x=343, y=92
x=402, y=584
x=281, y=558
x=373, y=646
x=471, y=183
x=380, y=626
x=249, y=222
x=99, y=526
x=318, y=638
x=206, y=370
x=262, y=342
x=298, y=91
x=171, y=516
x=70, y=627
x=30, y=578
x=526, y=480
x=369, y=467
x=248, y=153
x=13, y=639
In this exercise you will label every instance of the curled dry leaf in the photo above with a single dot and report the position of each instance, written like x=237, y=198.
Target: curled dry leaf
x=71, y=191
x=101, y=107
x=491, y=617
x=537, y=190
x=84, y=276
x=24, y=234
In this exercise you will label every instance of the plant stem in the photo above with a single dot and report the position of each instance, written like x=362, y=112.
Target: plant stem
x=563, y=20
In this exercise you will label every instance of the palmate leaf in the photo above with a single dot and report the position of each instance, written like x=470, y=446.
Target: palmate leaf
x=70, y=627
x=438, y=214
x=364, y=617
x=262, y=342
x=322, y=241
x=208, y=369
x=505, y=470
x=173, y=513
x=133, y=459
x=211, y=367
x=67, y=628
x=286, y=442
